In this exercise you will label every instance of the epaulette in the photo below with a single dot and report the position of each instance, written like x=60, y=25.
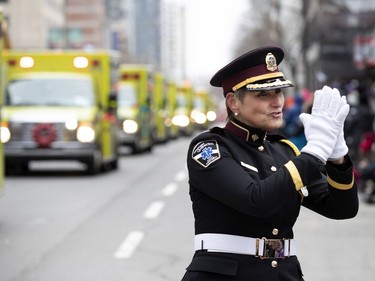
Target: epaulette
x=292, y=146
x=216, y=130
x=275, y=137
x=283, y=139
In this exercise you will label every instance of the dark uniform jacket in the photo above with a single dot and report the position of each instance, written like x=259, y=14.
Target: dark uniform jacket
x=246, y=182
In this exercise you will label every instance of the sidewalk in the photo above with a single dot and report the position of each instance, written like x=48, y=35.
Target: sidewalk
x=331, y=250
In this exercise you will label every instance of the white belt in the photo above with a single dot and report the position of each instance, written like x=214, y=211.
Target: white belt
x=260, y=247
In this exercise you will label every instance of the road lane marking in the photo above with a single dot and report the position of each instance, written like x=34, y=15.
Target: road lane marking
x=170, y=189
x=154, y=210
x=180, y=176
x=128, y=246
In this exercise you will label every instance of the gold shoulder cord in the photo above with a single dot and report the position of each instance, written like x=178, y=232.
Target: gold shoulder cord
x=292, y=146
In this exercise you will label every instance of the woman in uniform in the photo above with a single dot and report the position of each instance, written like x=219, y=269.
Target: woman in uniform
x=247, y=183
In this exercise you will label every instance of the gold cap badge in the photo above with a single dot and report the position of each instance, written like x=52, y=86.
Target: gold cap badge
x=271, y=62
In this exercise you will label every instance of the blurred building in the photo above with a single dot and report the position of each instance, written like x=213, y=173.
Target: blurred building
x=156, y=35
x=277, y=22
x=147, y=31
x=86, y=24
x=143, y=31
x=337, y=40
x=173, y=40
x=326, y=41
x=30, y=23
x=41, y=24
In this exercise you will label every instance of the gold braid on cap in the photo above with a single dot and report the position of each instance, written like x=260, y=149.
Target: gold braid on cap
x=276, y=83
x=257, y=78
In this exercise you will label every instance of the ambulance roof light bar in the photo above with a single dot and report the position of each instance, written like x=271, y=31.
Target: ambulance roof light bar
x=80, y=62
x=26, y=62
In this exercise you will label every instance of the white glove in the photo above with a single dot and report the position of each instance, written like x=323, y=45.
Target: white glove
x=322, y=126
x=340, y=149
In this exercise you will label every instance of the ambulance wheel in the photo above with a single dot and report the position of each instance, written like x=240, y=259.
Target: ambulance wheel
x=150, y=144
x=95, y=163
x=114, y=163
x=136, y=147
x=16, y=168
x=149, y=148
x=111, y=165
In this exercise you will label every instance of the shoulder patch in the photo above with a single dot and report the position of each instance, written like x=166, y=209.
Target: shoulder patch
x=206, y=152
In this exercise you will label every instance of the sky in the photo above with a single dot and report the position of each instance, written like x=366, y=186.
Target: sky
x=211, y=29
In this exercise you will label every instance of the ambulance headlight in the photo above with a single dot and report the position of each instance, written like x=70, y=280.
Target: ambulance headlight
x=211, y=116
x=130, y=126
x=71, y=124
x=85, y=134
x=4, y=134
x=199, y=117
x=168, y=122
x=180, y=120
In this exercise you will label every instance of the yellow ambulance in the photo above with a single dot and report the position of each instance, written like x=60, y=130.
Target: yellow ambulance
x=198, y=114
x=171, y=106
x=159, y=108
x=204, y=112
x=2, y=170
x=60, y=105
x=134, y=108
x=184, y=105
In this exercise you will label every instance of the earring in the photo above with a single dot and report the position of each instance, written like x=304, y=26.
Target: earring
x=236, y=114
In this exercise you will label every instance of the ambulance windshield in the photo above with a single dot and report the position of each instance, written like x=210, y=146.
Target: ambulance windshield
x=126, y=96
x=50, y=92
x=181, y=100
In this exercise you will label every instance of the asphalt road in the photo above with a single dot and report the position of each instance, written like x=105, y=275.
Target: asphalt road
x=136, y=224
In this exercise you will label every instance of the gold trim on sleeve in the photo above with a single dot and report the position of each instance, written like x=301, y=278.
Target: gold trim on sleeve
x=292, y=169
x=340, y=186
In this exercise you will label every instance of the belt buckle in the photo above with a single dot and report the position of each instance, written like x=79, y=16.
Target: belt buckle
x=273, y=248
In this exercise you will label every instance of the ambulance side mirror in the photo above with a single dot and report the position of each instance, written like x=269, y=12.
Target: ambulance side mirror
x=112, y=100
x=148, y=100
